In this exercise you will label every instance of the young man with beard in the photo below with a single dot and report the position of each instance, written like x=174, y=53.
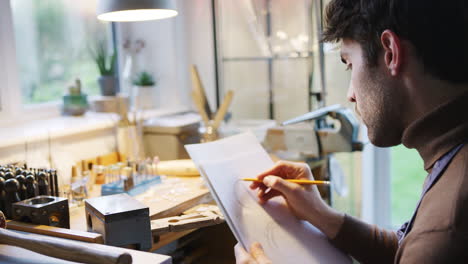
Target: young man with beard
x=409, y=82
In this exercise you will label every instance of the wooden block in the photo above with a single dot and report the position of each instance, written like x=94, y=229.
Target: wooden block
x=122, y=157
x=167, y=238
x=180, y=168
x=108, y=159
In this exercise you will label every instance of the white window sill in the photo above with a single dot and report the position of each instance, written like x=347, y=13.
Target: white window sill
x=65, y=126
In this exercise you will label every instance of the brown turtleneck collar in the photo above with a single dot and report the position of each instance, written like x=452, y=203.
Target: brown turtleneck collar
x=439, y=131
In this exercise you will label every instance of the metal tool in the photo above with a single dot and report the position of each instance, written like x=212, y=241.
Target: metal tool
x=43, y=210
x=335, y=130
x=31, y=182
x=11, y=197
x=306, y=141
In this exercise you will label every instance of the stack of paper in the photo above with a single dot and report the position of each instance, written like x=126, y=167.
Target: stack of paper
x=285, y=238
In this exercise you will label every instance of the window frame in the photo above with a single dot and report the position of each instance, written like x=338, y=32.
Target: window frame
x=8, y=75
x=12, y=109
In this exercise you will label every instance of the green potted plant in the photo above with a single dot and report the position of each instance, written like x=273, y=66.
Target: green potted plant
x=75, y=102
x=144, y=87
x=105, y=63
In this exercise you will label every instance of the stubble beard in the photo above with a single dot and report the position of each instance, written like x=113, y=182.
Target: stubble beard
x=381, y=114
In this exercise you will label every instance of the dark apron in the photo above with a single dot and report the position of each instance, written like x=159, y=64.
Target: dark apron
x=437, y=171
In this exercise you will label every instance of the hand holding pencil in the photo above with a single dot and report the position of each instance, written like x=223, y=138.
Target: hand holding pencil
x=295, y=182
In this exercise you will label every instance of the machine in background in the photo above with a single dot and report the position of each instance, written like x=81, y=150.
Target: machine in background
x=335, y=130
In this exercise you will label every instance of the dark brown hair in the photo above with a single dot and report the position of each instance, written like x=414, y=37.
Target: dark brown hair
x=438, y=30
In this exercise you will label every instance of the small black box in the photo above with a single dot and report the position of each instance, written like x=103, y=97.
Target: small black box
x=120, y=219
x=43, y=210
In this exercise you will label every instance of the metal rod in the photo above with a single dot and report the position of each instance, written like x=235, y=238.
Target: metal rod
x=318, y=24
x=310, y=64
x=57, y=192
x=216, y=52
x=51, y=183
x=321, y=112
x=275, y=57
x=116, y=50
x=270, y=63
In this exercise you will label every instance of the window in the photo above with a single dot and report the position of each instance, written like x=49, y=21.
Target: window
x=268, y=54
x=407, y=178
x=53, y=38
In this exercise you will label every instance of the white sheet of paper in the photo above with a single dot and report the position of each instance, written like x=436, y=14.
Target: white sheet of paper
x=284, y=238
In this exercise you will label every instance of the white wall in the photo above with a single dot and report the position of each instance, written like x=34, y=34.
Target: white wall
x=200, y=43
x=172, y=45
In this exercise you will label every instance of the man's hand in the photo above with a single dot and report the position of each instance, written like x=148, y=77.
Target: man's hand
x=256, y=256
x=300, y=199
x=303, y=201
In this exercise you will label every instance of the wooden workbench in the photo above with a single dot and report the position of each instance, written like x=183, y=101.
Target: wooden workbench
x=171, y=197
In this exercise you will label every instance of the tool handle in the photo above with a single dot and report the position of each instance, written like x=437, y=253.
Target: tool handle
x=63, y=249
x=199, y=89
x=223, y=109
x=198, y=103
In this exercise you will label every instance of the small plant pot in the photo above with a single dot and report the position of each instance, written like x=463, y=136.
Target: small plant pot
x=75, y=105
x=108, y=85
x=144, y=97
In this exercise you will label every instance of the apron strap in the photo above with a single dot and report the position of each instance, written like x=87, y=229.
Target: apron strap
x=436, y=173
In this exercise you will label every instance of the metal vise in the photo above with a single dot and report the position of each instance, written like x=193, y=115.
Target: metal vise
x=306, y=141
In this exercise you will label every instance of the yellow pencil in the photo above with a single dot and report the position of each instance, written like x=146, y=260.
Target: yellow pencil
x=302, y=182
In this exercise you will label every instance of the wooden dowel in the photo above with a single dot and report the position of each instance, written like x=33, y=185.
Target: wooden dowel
x=63, y=249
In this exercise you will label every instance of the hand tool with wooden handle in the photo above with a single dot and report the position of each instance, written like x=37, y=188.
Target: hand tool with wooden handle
x=60, y=248
x=223, y=109
x=199, y=105
x=200, y=90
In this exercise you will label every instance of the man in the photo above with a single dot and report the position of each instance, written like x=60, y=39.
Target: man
x=410, y=85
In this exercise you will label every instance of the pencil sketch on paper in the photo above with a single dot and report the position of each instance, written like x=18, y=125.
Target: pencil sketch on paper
x=241, y=194
x=270, y=231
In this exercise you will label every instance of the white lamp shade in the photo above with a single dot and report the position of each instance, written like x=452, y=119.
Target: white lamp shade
x=135, y=10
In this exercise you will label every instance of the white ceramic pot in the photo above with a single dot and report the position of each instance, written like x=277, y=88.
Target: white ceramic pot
x=144, y=97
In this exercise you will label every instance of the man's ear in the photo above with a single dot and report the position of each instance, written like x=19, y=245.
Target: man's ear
x=393, y=51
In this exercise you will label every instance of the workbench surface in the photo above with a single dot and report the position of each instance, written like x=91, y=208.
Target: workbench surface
x=170, y=198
